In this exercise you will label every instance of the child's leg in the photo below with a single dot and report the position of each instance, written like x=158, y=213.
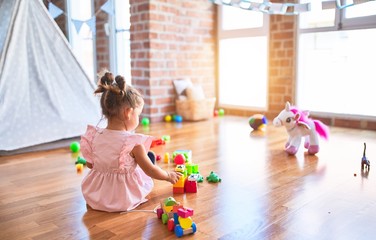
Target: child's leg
x=152, y=157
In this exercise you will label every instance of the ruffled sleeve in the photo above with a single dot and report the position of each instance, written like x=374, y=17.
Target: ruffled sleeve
x=86, y=143
x=133, y=140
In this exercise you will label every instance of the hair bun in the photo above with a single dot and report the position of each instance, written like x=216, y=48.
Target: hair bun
x=107, y=79
x=120, y=81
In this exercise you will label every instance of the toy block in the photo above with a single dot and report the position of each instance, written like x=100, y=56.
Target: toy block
x=185, y=212
x=178, y=190
x=180, y=182
x=191, y=168
x=180, y=168
x=190, y=186
x=176, y=208
x=187, y=154
x=166, y=157
x=179, y=159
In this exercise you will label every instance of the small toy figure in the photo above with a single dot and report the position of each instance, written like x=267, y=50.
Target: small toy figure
x=365, y=162
x=298, y=125
x=213, y=177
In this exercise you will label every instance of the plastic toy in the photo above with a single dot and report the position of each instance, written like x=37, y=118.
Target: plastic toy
x=221, y=112
x=179, y=159
x=166, y=138
x=166, y=157
x=187, y=154
x=81, y=160
x=178, y=118
x=177, y=217
x=157, y=142
x=178, y=187
x=298, y=125
x=75, y=147
x=366, y=164
x=145, y=121
x=215, y=113
x=213, y=177
x=258, y=122
x=168, y=118
x=79, y=168
x=159, y=157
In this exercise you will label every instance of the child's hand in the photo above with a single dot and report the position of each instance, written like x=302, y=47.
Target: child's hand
x=174, y=177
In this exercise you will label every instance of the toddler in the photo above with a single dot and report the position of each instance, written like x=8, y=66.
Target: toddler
x=121, y=171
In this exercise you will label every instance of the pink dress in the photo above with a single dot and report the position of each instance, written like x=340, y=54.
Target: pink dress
x=115, y=183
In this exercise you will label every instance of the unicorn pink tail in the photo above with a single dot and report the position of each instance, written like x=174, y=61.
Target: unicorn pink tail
x=321, y=129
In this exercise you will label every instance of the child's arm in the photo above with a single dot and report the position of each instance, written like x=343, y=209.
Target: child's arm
x=150, y=169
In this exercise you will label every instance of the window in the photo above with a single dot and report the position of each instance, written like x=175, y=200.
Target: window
x=243, y=51
x=119, y=34
x=336, y=56
x=81, y=38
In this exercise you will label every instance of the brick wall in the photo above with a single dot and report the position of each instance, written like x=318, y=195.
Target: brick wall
x=101, y=39
x=176, y=39
x=171, y=40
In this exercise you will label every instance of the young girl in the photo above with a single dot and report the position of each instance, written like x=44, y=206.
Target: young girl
x=121, y=171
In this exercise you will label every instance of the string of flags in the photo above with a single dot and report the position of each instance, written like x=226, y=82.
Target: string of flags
x=285, y=8
x=107, y=7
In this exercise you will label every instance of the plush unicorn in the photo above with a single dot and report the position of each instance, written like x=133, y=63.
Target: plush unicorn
x=298, y=125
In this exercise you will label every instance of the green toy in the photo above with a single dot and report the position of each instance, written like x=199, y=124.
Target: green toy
x=213, y=177
x=145, y=121
x=81, y=160
x=200, y=178
x=75, y=147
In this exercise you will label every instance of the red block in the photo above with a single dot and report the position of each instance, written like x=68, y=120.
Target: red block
x=190, y=186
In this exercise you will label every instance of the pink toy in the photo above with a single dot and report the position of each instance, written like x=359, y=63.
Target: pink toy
x=298, y=125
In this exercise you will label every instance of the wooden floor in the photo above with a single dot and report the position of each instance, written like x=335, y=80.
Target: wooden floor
x=264, y=193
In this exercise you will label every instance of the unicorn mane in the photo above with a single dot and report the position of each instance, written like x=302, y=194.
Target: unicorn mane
x=321, y=128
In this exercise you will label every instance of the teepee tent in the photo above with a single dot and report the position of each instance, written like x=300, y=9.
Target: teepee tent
x=45, y=95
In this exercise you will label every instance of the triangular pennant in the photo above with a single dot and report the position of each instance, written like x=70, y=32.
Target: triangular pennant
x=91, y=24
x=77, y=24
x=54, y=10
x=108, y=7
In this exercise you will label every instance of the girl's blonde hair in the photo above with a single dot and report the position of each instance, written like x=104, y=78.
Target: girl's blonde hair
x=116, y=95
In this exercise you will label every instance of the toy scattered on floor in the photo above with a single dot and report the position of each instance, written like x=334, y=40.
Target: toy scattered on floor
x=179, y=159
x=365, y=162
x=215, y=113
x=221, y=112
x=166, y=158
x=178, y=119
x=80, y=163
x=81, y=160
x=79, y=168
x=157, y=142
x=257, y=122
x=177, y=217
x=75, y=147
x=298, y=125
x=186, y=153
x=166, y=138
x=145, y=121
x=168, y=118
x=159, y=157
x=213, y=177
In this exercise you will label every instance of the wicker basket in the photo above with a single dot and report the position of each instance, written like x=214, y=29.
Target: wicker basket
x=195, y=110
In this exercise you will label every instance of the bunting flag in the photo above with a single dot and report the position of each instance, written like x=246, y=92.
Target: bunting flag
x=108, y=7
x=77, y=25
x=54, y=10
x=283, y=8
x=91, y=24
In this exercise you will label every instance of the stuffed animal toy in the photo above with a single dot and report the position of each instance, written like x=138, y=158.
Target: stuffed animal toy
x=298, y=125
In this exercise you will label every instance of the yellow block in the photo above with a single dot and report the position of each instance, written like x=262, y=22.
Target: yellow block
x=185, y=222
